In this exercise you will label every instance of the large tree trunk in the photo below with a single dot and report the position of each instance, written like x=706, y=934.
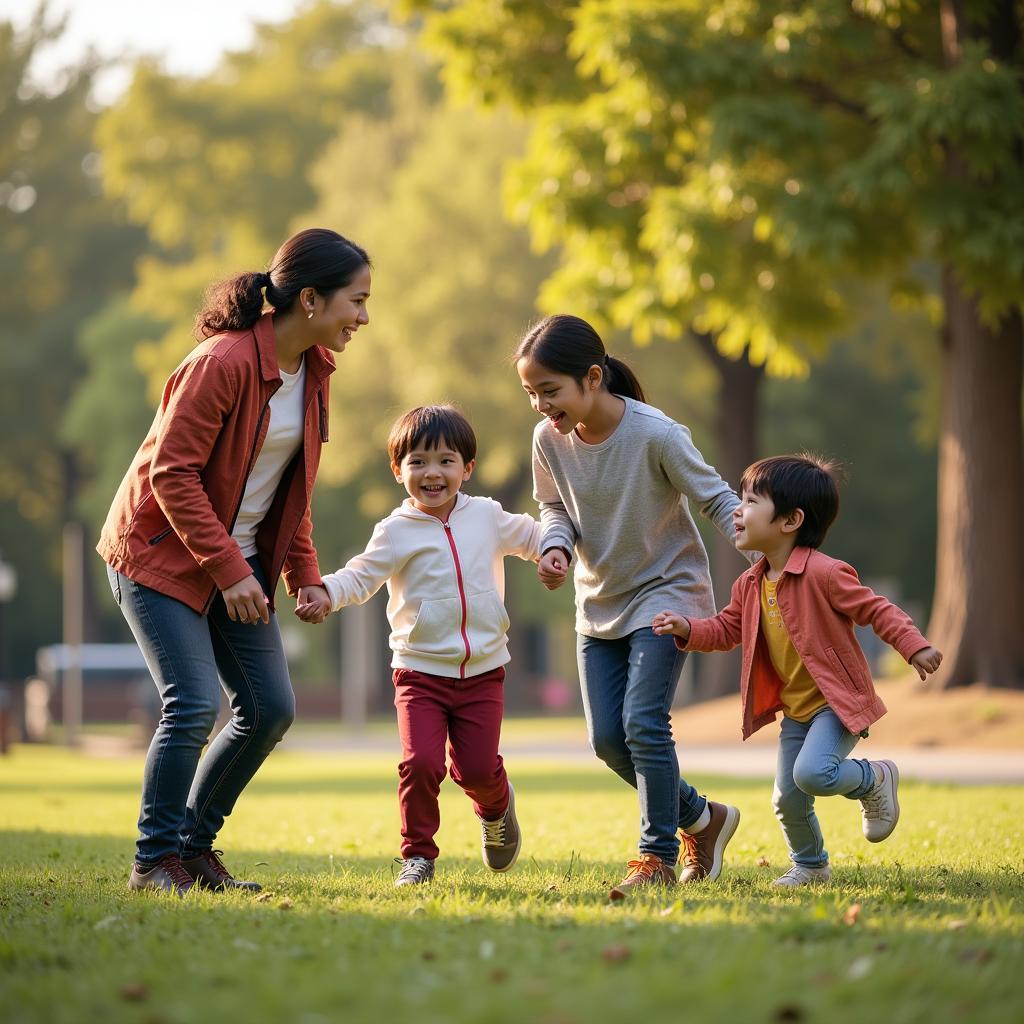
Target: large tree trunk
x=736, y=423
x=978, y=614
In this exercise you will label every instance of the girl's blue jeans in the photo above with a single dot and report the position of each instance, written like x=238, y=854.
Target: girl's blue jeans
x=628, y=685
x=190, y=656
x=813, y=762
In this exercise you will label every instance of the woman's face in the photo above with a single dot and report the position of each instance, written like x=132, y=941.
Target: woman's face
x=337, y=317
x=565, y=401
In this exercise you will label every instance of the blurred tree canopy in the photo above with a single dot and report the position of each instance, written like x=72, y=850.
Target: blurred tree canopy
x=730, y=166
x=65, y=248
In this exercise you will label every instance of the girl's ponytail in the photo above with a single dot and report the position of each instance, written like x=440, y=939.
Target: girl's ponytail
x=566, y=344
x=622, y=380
x=316, y=258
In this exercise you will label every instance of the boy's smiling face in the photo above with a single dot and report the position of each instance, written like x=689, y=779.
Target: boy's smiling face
x=756, y=525
x=433, y=477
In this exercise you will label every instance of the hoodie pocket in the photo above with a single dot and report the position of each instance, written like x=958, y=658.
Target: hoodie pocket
x=487, y=618
x=437, y=631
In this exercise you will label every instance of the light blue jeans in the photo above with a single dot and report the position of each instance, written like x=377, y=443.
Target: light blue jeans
x=628, y=685
x=813, y=762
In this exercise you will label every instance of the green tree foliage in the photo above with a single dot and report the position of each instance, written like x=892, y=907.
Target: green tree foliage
x=729, y=165
x=64, y=248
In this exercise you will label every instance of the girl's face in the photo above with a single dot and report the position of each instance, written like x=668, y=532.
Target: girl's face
x=338, y=316
x=565, y=401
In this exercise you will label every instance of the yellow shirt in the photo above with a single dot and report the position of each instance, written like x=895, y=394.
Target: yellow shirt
x=800, y=695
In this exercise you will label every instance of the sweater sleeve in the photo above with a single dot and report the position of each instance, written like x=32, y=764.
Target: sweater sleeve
x=363, y=575
x=557, y=530
x=721, y=632
x=850, y=597
x=197, y=399
x=687, y=471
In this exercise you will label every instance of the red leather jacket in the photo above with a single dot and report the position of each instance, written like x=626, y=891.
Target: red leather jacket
x=169, y=526
x=820, y=599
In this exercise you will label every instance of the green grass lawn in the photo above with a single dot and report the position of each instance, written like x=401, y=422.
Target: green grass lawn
x=938, y=935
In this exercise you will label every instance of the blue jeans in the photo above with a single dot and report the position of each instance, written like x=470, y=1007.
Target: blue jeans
x=813, y=762
x=185, y=800
x=628, y=685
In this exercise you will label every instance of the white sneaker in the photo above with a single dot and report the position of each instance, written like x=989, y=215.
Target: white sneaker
x=799, y=874
x=880, y=809
x=415, y=871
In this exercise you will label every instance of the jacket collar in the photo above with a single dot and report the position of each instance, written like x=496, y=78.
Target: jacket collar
x=319, y=362
x=407, y=508
x=795, y=564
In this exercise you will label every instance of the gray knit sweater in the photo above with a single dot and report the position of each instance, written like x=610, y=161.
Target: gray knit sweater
x=622, y=507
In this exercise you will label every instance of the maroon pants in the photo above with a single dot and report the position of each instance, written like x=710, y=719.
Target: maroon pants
x=466, y=713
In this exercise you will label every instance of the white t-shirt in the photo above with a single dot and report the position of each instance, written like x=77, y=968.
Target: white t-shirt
x=284, y=436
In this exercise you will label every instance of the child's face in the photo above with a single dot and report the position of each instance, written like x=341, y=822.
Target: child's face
x=563, y=400
x=757, y=528
x=433, y=477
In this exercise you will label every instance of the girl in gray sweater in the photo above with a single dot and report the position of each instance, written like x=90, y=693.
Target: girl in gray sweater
x=614, y=478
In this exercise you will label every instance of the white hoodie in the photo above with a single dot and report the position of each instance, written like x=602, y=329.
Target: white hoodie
x=446, y=583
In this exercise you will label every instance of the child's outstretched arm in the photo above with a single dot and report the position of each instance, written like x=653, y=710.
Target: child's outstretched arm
x=357, y=582
x=721, y=632
x=849, y=596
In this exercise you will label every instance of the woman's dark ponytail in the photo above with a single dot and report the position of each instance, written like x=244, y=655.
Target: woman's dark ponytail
x=566, y=344
x=315, y=258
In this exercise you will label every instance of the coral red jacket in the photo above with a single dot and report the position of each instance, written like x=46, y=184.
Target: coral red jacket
x=819, y=598
x=170, y=524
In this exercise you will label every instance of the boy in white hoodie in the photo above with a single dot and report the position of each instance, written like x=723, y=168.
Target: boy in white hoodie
x=441, y=554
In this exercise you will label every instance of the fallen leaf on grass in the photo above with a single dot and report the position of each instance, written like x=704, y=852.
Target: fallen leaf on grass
x=789, y=1012
x=616, y=896
x=763, y=862
x=852, y=915
x=955, y=926
x=563, y=946
x=134, y=992
x=498, y=975
x=976, y=956
x=284, y=903
x=428, y=954
x=616, y=954
x=264, y=896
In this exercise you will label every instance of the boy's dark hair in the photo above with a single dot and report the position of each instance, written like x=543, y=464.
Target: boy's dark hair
x=805, y=481
x=430, y=426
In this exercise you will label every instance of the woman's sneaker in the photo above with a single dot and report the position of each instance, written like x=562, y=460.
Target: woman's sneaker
x=501, y=838
x=208, y=872
x=646, y=870
x=704, y=852
x=167, y=874
x=799, y=874
x=880, y=807
x=415, y=871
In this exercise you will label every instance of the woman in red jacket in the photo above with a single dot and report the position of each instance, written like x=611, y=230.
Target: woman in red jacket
x=213, y=509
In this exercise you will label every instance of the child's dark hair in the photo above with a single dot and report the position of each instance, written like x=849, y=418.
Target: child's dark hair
x=805, y=481
x=315, y=258
x=566, y=344
x=431, y=426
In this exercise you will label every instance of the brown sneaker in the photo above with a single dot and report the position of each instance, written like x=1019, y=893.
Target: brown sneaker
x=500, y=839
x=702, y=853
x=208, y=872
x=648, y=870
x=166, y=874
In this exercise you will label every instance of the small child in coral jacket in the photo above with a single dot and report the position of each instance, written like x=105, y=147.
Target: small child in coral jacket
x=794, y=612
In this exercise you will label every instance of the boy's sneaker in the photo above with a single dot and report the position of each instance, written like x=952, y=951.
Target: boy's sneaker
x=167, y=874
x=647, y=870
x=208, y=872
x=501, y=839
x=415, y=871
x=799, y=874
x=880, y=808
x=703, y=852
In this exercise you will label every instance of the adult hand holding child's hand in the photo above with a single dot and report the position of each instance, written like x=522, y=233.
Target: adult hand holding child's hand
x=313, y=605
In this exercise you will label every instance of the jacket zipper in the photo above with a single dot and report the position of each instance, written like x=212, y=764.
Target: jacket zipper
x=238, y=507
x=462, y=598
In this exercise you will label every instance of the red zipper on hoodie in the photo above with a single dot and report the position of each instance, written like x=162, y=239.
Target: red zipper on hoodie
x=462, y=597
